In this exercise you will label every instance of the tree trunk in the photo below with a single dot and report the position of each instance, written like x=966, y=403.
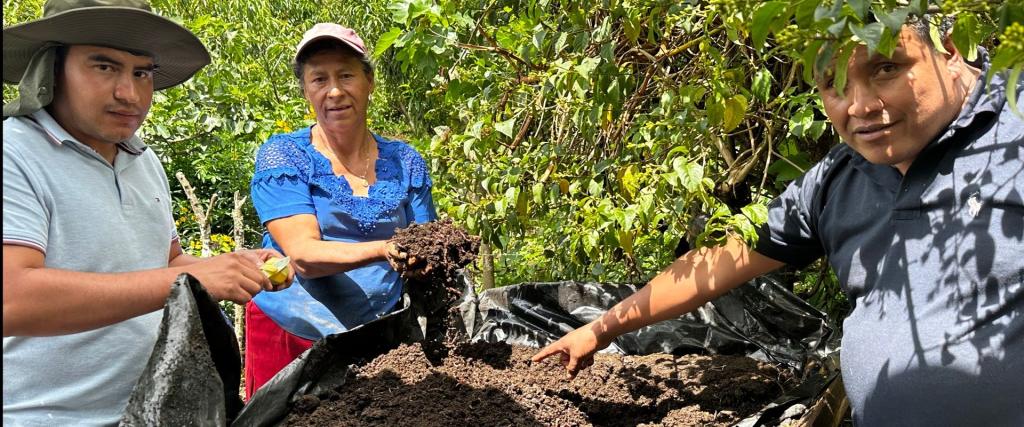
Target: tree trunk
x=202, y=217
x=487, y=266
x=238, y=234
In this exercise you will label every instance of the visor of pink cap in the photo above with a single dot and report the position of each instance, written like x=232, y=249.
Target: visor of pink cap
x=331, y=31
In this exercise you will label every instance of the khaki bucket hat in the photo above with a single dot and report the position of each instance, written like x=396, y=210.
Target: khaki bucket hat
x=128, y=25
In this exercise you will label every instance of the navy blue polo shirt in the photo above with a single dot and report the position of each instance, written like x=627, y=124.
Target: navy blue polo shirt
x=933, y=264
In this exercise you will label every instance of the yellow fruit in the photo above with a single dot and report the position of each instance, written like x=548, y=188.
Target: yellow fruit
x=277, y=270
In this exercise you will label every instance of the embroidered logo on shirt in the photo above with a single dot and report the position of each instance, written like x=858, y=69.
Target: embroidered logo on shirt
x=974, y=204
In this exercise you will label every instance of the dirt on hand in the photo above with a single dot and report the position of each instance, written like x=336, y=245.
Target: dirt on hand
x=485, y=384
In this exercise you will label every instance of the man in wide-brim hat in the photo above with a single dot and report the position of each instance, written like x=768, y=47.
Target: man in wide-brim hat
x=90, y=247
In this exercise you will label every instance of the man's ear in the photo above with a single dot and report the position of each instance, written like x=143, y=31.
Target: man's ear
x=954, y=60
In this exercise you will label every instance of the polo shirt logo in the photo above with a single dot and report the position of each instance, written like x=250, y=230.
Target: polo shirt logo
x=974, y=204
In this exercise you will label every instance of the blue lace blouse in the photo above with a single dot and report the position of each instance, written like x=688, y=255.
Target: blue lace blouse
x=293, y=178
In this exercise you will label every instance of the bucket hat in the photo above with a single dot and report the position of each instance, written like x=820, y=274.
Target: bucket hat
x=128, y=25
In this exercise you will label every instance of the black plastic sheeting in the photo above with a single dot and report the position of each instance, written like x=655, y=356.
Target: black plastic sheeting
x=323, y=367
x=193, y=374
x=763, y=320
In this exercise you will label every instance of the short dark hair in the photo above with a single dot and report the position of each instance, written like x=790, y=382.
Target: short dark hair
x=61, y=55
x=324, y=45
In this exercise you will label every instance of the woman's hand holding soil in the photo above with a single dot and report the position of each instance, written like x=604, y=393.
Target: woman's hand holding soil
x=407, y=265
x=435, y=250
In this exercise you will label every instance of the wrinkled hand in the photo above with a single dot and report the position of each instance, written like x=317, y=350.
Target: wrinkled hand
x=408, y=266
x=576, y=350
x=236, y=276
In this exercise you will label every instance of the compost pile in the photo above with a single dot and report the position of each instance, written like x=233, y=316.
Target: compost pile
x=441, y=249
x=434, y=383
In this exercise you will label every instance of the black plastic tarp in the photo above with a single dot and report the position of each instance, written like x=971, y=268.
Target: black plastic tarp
x=192, y=377
x=324, y=366
x=762, y=320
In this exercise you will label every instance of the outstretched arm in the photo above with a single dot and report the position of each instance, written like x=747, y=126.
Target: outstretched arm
x=42, y=301
x=697, y=277
x=312, y=257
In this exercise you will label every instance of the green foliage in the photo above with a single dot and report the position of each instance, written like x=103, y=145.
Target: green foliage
x=595, y=136
x=582, y=140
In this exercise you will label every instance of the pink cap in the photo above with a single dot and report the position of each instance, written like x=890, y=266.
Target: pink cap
x=325, y=30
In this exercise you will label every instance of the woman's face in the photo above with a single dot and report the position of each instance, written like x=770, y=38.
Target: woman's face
x=336, y=85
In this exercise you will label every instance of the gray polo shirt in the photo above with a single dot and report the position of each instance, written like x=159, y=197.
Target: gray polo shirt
x=933, y=264
x=64, y=199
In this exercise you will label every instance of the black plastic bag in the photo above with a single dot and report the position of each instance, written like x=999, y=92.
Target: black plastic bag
x=762, y=320
x=324, y=366
x=193, y=374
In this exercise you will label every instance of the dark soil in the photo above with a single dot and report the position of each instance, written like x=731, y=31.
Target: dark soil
x=441, y=248
x=484, y=384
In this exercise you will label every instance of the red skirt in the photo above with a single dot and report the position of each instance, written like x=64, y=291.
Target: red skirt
x=268, y=348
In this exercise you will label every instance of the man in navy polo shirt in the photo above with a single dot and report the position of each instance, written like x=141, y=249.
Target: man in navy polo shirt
x=920, y=214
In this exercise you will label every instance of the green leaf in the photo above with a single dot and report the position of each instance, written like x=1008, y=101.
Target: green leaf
x=860, y=7
x=386, y=40
x=933, y=33
x=595, y=188
x=801, y=121
x=629, y=181
x=417, y=8
x=762, y=85
x=561, y=43
x=887, y=44
x=870, y=34
x=807, y=60
x=587, y=66
x=506, y=127
x=631, y=27
x=1009, y=13
x=837, y=28
x=966, y=35
x=823, y=59
x=538, y=36
x=690, y=174
x=828, y=11
x=763, y=18
x=757, y=214
x=1011, y=89
x=522, y=204
x=894, y=20
x=844, y=59
x=789, y=169
x=626, y=241
x=735, y=111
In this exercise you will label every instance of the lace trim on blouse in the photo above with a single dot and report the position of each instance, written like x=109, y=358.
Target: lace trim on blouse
x=399, y=169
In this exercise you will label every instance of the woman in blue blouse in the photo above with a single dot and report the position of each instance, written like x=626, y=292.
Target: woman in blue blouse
x=331, y=197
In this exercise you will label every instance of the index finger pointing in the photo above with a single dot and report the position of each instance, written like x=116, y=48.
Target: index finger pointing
x=545, y=352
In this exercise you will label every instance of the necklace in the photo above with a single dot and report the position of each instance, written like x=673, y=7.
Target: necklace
x=366, y=168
